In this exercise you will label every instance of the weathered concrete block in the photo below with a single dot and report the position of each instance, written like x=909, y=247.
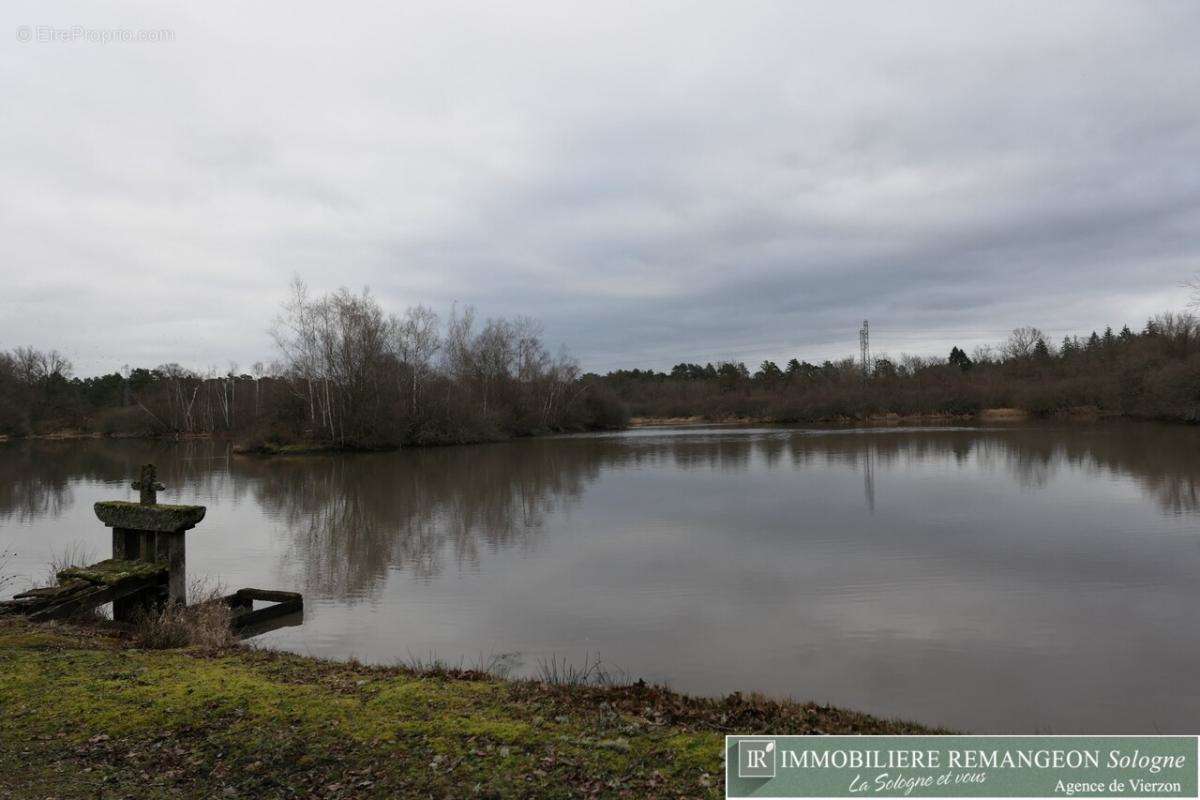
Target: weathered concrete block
x=159, y=518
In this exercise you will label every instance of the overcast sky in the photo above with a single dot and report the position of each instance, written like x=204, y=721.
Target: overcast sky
x=656, y=182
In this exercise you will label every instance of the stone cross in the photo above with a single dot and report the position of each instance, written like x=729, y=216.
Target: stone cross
x=147, y=531
x=148, y=486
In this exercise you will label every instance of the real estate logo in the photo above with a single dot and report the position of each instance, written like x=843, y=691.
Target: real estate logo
x=756, y=758
x=910, y=767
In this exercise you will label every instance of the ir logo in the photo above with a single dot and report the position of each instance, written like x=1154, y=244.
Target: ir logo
x=756, y=758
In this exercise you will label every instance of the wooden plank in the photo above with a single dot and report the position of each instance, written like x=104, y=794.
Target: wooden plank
x=35, y=600
x=273, y=595
x=95, y=595
x=23, y=606
x=239, y=604
x=50, y=592
x=242, y=603
x=262, y=615
x=287, y=610
x=285, y=604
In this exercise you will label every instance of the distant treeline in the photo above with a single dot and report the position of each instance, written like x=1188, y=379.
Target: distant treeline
x=349, y=376
x=1153, y=374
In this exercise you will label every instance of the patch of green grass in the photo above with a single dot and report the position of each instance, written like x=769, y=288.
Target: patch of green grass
x=86, y=716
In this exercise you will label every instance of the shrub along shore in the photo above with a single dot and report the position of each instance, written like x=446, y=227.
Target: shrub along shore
x=89, y=713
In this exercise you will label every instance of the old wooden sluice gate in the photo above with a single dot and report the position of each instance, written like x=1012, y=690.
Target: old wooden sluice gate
x=148, y=569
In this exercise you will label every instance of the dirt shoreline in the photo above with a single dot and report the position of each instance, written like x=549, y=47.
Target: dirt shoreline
x=985, y=415
x=315, y=448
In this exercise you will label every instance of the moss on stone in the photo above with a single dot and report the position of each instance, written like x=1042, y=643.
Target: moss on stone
x=113, y=571
x=135, y=516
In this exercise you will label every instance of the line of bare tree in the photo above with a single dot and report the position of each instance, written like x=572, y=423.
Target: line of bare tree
x=348, y=375
x=366, y=378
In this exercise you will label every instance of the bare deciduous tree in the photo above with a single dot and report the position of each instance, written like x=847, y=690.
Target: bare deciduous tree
x=348, y=375
x=1022, y=342
x=415, y=341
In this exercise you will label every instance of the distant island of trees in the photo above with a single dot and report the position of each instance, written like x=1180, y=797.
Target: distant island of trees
x=350, y=376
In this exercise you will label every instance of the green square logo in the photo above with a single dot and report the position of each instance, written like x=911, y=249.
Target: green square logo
x=756, y=758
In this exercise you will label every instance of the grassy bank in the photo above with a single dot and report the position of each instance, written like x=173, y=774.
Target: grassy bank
x=88, y=715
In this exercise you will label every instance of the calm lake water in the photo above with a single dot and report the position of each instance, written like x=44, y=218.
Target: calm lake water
x=1018, y=579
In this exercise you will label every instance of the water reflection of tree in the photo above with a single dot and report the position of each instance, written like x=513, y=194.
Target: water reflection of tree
x=730, y=452
x=352, y=519
x=1157, y=457
x=31, y=486
x=36, y=477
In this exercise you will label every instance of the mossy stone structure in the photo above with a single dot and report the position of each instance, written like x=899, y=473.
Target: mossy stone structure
x=149, y=532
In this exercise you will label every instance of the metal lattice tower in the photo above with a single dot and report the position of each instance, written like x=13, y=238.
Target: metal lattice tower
x=864, y=346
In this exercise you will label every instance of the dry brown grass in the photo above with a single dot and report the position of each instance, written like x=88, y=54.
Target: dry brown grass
x=5, y=576
x=999, y=414
x=75, y=554
x=205, y=623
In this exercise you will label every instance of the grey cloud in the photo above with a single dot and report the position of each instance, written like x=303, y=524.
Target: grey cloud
x=671, y=183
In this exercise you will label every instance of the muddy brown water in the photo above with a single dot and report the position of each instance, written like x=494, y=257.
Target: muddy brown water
x=1022, y=578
